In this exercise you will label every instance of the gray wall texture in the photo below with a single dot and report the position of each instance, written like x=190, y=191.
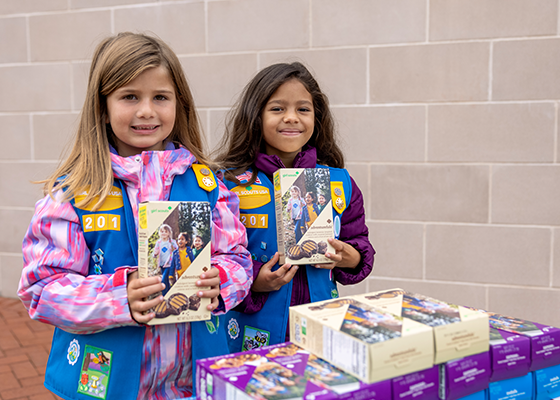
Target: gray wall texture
x=447, y=111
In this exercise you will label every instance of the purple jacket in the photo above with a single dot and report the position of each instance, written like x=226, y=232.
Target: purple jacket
x=353, y=231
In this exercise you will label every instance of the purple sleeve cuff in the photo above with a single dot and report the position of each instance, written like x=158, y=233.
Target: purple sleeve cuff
x=354, y=232
x=254, y=301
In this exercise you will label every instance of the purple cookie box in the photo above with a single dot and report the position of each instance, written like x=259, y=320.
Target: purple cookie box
x=510, y=354
x=421, y=385
x=299, y=362
x=239, y=377
x=464, y=376
x=545, y=341
x=346, y=387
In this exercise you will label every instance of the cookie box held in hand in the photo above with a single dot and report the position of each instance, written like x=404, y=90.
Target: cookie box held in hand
x=174, y=243
x=304, y=214
x=458, y=331
x=369, y=343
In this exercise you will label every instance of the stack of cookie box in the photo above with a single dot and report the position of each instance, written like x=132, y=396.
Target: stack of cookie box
x=287, y=371
x=521, y=360
x=477, y=354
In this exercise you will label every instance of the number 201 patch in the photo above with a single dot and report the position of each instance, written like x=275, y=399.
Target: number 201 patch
x=101, y=222
x=254, y=220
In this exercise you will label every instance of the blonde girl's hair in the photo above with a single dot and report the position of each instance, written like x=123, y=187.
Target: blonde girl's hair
x=167, y=228
x=118, y=60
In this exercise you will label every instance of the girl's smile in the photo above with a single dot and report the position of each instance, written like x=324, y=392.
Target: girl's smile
x=198, y=243
x=288, y=121
x=181, y=242
x=142, y=112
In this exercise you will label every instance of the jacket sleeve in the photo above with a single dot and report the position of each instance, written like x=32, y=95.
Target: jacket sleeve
x=354, y=231
x=254, y=301
x=55, y=286
x=229, y=250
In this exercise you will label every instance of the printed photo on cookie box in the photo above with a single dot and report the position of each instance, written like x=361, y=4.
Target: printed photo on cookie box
x=304, y=214
x=174, y=243
x=458, y=331
x=325, y=374
x=282, y=371
x=242, y=376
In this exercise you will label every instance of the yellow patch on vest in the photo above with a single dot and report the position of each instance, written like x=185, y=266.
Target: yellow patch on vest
x=252, y=196
x=338, y=198
x=113, y=201
x=204, y=177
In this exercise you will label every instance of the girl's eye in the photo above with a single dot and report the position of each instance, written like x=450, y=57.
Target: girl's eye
x=129, y=97
x=304, y=109
x=160, y=97
x=276, y=109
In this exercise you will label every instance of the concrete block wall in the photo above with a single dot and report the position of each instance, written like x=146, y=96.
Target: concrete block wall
x=447, y=111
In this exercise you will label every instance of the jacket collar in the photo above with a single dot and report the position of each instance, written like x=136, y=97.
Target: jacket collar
x=306, y=158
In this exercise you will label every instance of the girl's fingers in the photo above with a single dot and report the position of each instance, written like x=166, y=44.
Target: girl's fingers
x=213, y=305
x=209, y=294
x=325, y=266
x=143, y=318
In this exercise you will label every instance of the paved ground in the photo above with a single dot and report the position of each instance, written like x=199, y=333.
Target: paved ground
x=24, y=349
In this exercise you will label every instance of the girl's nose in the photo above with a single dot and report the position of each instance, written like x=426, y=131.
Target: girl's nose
x=291, y=117
x=145, y=109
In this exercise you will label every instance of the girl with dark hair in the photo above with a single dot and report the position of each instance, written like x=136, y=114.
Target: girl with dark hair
x=282, y=120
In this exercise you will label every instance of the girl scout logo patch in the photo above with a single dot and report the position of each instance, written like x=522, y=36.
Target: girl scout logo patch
x=254, y=196
x=96, y=371
x=73, y=352
x=233, y=328
x=254, y=338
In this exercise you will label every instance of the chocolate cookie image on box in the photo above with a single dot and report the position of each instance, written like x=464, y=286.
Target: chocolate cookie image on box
x=161, y=310
x=194, y=302
x=295, y=252
x=177, y=303
x=309, y=248
x=322, y=247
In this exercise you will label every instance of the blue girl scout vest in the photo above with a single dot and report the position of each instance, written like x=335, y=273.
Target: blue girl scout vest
x=256, y=203
x=106, y=365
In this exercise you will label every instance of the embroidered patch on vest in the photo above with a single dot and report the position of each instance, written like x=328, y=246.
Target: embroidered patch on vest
x=113, y=200
x=96, y=371
x=204, y=177
x=210, y=326
x=98, y=258
x=334, y=294
x=254, y=338
x=246, y=177
x=73, y=352
x=337, y=193
x=254, y=196
x=233, y=328
x=336, y=227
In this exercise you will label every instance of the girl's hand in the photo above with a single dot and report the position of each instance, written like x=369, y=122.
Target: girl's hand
x=210, y=278
x=268, y=281
x=346, y=256
x=138, y=290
